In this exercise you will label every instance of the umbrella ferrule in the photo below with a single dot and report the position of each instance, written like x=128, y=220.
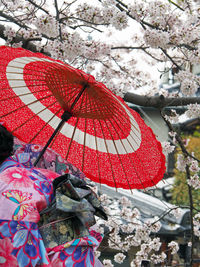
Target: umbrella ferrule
x=66, y=115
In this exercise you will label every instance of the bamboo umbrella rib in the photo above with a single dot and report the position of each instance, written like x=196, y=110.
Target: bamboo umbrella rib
x=29, y=119
x=98, y=164
x=73, y=133
x=132, y=163
x=120, y=117
x=23, y=86
x=54, y=115
x=35, y=101
x=71, y=139
x=131, y=158
x=84, y=142
x=123, y=147
x=118, y=155
x=84, y=95
x=96, y=144
x=108, y=153
x=55, y=137
x=25, y=94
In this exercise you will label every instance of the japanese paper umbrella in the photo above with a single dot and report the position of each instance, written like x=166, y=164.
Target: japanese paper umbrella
x=98, y=132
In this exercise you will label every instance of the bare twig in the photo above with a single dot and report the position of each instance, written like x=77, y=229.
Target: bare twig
x=38, y=6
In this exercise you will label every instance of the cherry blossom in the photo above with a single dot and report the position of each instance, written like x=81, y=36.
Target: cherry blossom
x=173, y=246
x=167, y=147
x=107, y=263
x=119, y=257
x=193, y=111
x=194, y=181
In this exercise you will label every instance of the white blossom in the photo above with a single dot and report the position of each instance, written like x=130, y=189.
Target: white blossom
x=173, y=135
x=173, y=118
x=107, y=263
x=167, y=147
x=181, y=162
x=158, y=258
x=189, y=82
x=196, y=221
x=194, y=181
x=124, y=201
x=193, y=111
x=155, y=244
x=97, y=253
x=119, y=258
x=9, y=32
x=156, y=38
x=120, y=21
x=173, y=246
x=194, y=166
x=176, y=212
x=47, y=25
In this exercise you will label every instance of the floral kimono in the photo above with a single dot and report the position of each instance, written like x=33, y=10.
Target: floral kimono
x=25, y=191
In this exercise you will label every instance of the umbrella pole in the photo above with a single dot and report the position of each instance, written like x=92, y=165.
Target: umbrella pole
x=65, y=117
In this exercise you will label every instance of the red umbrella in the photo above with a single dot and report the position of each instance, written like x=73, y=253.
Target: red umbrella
x=103, y=137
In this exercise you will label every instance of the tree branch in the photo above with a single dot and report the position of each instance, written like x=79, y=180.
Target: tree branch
x=159, y=101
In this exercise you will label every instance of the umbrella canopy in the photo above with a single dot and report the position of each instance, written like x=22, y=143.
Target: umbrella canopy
x=104, y=138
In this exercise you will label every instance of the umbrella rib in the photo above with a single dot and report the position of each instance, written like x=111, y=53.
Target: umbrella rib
x=74, y=130
x=35, y=101
x=84, y=142
x=45, y=125
x=134, y=152
x=71, y=139
x=118, y=154
x=126, y=154
x=121, y=118
x=35, y=114
x=24, y=86
x=114, y=118
x=108, y=155
x=96, y=144
x=15, y=96
x=108, y=91
x=118, y=151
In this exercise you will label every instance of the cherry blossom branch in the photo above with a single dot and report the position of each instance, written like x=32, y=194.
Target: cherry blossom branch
x=58, y=18
x=38, y=6
x=83, y=20
x=175, y=4
x=188, y=176
x=170, y=58
x=191, y=213
x=159, y=101
x=129, y=47
x=11, y=19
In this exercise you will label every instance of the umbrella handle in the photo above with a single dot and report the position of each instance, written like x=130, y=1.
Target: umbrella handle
x=65, y=117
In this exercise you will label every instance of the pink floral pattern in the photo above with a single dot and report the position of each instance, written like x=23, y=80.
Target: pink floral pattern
x=6, y=259
x=24, y=192
x=15, y=176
